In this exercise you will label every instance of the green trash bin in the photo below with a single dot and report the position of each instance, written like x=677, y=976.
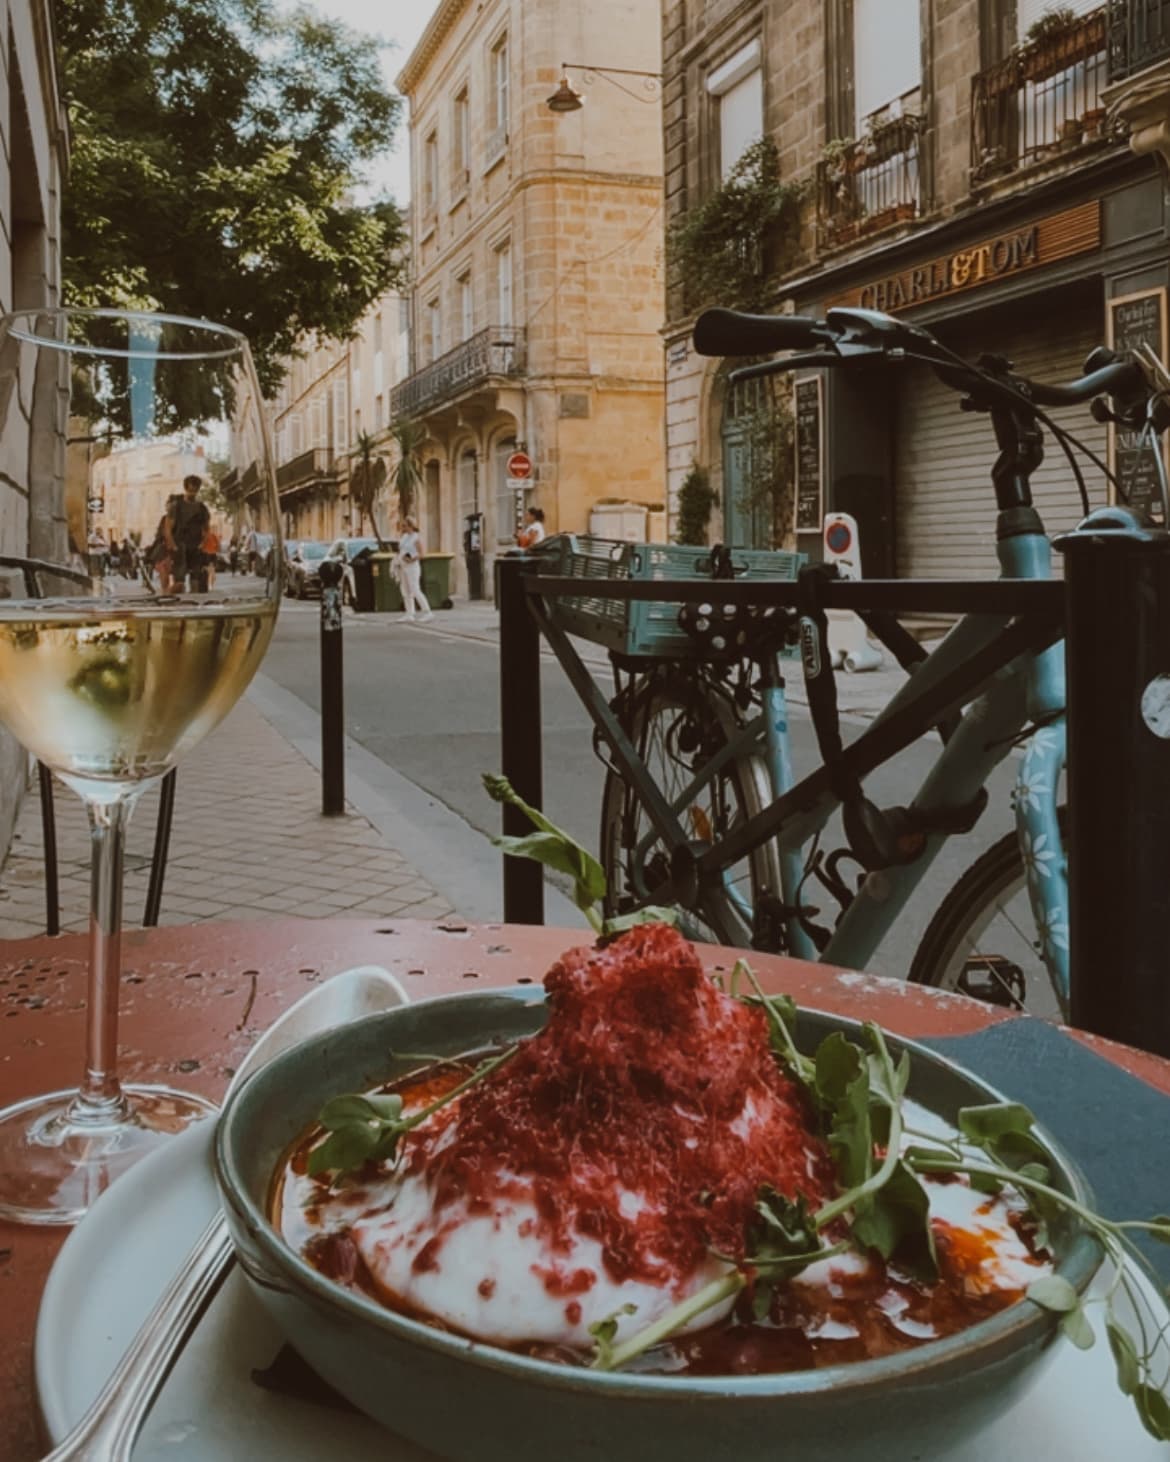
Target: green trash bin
x=387, y=595
x=436, y=579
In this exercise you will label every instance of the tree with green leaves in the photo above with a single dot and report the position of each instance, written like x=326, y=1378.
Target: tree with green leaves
x=216, y=147
x=408, y=436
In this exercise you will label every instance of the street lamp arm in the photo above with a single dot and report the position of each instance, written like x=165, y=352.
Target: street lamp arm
x=567, y=99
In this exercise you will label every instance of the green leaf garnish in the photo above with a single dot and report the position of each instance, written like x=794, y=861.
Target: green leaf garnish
x=368, y=1128
x=604, y=1333
x=553, y=848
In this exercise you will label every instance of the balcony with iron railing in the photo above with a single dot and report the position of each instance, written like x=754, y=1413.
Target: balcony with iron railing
x=868, y=186
x=311, y=468
x=494, y=354
x=1042, y=101
x=1139, y=35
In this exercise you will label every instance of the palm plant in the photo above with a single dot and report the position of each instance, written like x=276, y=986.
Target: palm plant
x=366, y=479
x=408, y=436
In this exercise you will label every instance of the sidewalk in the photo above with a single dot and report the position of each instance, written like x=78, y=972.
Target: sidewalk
x=248, y=842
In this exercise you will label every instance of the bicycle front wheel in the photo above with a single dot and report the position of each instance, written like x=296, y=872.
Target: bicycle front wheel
x=983, y=940
x=678, y=726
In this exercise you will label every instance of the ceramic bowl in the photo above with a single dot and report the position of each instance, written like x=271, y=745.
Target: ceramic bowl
x=471, y=1402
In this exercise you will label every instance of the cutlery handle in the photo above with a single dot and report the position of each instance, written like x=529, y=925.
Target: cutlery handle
x=108, y=1430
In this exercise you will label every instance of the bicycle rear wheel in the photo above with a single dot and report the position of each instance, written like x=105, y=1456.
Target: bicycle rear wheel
x=983, y=940
x=678, y=725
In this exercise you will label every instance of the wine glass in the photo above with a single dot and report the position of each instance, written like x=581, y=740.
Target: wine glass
x=128, y=443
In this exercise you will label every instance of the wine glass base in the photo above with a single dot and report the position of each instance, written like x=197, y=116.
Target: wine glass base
x=53, y=1166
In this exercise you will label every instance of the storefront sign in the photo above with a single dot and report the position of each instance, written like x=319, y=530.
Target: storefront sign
x=1060, y=236
x=1134, y=321
x=809, y=456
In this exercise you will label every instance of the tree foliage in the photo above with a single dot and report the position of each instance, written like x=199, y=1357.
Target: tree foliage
x=215, y=148
x=696, y=498
x=408, y=437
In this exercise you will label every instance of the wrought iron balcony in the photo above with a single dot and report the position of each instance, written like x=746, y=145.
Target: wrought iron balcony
x=497, y=353
x=1042, y=100
x=313, y=468
x=1139, y=35
x=870, y=185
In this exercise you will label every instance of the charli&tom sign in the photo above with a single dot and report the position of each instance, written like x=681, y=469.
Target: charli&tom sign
x=1060, y=236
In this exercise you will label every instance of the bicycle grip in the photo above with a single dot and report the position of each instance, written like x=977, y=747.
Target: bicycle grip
x=728, y=332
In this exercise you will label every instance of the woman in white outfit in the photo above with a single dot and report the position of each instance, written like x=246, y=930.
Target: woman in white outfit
x=410, y=552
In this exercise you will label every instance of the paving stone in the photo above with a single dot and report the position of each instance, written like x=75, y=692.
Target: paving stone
x=248, y=841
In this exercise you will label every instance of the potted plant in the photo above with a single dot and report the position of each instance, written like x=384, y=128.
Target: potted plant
x=1070, y=131
x=1059, y=39
x=1093, y=122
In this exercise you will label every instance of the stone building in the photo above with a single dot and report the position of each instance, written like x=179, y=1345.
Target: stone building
x=33, y=158
x=536, y=247
x=960, y=168
x=333, y=393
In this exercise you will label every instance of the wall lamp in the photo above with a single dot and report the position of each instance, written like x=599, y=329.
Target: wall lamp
x=566, y=98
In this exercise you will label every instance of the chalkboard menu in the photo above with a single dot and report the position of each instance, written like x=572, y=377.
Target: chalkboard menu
x=809, y=456
x=1135, y=320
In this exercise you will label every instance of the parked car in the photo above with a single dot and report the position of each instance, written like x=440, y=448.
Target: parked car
x=304, y=569
x=348, y=549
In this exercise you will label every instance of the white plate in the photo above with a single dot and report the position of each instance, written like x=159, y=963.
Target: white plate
x=116, y=1263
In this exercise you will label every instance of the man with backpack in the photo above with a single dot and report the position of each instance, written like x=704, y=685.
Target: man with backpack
x=187, y=524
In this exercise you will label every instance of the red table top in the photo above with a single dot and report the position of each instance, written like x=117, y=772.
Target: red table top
x=195, y=998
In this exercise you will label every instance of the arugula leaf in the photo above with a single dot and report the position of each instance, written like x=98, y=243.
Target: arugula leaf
x=895, y=1221
x=604, y=1334
x=1154, y=1411
x=1053, y=1292
x=651, y=914
x=552, y=847
x=983, y=1124
x=843, y=1086
x=1125, y=1357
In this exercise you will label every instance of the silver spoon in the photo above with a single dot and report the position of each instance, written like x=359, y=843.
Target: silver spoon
x=109, y=1429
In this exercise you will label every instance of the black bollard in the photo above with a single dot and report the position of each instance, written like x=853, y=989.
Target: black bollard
x=520, y=734
x=1117, y=647
x=332, y=697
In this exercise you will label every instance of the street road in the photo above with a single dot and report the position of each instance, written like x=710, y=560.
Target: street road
x=425, y=701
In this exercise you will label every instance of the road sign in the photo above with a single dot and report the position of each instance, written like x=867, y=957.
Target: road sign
x=520, y=465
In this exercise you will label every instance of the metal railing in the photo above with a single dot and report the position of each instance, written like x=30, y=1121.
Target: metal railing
x=497, y=351
x=1139, y=35
x=1042, y=100
x=314, y=465
x=872, y=184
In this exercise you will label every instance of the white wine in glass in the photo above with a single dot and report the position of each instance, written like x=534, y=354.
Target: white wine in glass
x=132, y=446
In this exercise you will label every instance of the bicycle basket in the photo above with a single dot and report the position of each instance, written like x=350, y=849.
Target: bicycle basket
x=643, y=627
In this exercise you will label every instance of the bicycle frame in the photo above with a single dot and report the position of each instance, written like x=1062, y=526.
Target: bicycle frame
x=1017, y=675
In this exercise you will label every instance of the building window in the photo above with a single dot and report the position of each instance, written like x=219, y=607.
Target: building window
x=887, y=54
x=499, y=85
x=340, y=415
x=434, y=329
x=379, y=412
x=466, y=306
x=465, y=475
x=357, y=423
x=504, y=284
x=462, y=136
x=737, y=90
x=295, y=435
x=377, y=333
x=431, y=172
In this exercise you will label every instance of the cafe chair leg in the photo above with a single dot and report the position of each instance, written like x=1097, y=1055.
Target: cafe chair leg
x=49, y=839
x=162, y=843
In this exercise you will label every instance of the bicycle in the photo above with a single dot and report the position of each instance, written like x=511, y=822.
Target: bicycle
x=701, y=807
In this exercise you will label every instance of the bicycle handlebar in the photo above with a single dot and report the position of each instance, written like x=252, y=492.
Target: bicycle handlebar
x=847, y=335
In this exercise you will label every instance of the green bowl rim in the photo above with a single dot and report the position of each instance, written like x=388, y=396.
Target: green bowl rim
x=1011, y=1329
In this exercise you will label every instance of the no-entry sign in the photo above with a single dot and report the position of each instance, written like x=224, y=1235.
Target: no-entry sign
x=520, y=465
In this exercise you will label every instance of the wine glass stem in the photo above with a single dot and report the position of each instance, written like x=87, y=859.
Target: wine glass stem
x=100, y=1098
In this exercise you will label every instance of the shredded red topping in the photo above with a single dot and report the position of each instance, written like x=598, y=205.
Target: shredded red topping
x=647, y=1114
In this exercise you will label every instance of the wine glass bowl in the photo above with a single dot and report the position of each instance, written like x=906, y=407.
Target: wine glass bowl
x=132, y=446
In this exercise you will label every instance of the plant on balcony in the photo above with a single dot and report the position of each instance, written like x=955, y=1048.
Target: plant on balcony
x=408, y=436
x=719, y=249
x=1059, y=39
x=367, y=477
x=696, y=498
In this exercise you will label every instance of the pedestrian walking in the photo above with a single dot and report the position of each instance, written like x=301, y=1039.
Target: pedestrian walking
x=410, y=552
x=187, y=523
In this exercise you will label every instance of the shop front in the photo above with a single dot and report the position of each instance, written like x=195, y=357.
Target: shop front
x=1041, y=280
